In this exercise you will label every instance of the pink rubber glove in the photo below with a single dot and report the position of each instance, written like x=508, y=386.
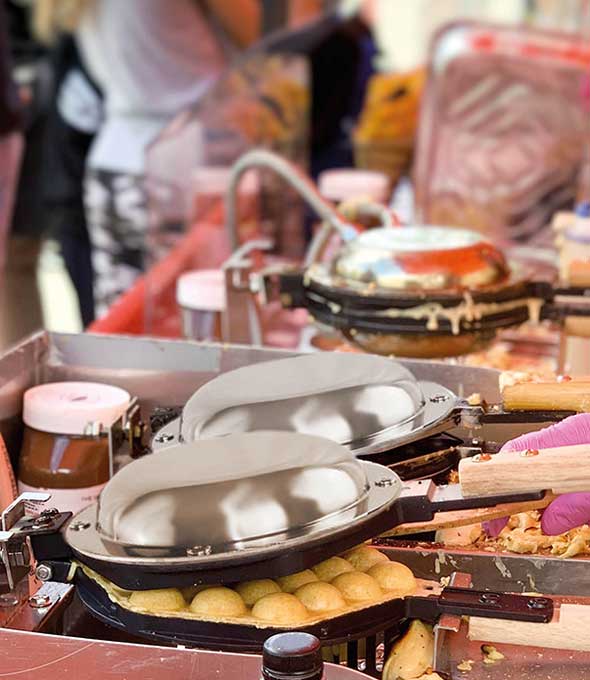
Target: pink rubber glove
x=570, y=510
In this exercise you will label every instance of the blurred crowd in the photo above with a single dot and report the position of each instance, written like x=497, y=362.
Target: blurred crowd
x=87, y=85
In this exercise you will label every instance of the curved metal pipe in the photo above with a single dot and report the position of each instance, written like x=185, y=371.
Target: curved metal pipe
x=262, y=158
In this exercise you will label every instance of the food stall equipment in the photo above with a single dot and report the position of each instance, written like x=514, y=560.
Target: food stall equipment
x=409, y=291
x=161, y=373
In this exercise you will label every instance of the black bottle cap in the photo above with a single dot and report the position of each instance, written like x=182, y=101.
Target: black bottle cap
x=292, y=655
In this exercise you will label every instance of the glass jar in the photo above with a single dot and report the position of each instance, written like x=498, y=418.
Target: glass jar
x=65, y=449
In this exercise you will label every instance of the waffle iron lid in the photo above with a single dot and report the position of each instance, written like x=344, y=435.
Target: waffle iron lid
x=347, y=398
x=415, y=258
x=231, y=494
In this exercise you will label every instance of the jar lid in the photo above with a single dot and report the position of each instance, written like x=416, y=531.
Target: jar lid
x=344, y=183
x=203, y=289
x=294, y=654
x=68, y=407
x=215, y=180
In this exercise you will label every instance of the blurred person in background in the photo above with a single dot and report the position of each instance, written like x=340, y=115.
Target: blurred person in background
x=74, y=119
x=20, y=306
x=151, y=59
x=10, y=139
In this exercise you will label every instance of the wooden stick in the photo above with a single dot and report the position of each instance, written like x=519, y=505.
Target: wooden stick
x=560, y=470
x=542, y=396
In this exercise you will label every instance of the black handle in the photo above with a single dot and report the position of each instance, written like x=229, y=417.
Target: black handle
x=292, y=290
x=489, y=605
x=47, y=541
x=421, y=500
x=499, y=416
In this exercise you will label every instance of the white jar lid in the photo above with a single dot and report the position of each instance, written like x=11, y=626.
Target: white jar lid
x=203, y=289
x=344, y=183
x=215, y=180
x=68, y=407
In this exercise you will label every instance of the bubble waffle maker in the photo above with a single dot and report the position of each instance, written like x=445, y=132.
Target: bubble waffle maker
x=370, y=404
x=414, y=291
x=234, y=508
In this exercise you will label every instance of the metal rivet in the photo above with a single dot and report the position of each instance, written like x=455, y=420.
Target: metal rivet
x=44, y=572
x=481, y=458
x=529, y=453
x=384, y=482
x=164, y=438
x=39, y=601
x=8, y=600
x=199, y=551
x=80, y=526
x=537, y=603
x=439, y=398
x=489, y=598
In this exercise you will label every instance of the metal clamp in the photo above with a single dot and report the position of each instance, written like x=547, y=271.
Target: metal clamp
x=14, y=550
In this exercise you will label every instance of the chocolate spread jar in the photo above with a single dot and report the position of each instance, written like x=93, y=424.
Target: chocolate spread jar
x=65, y=448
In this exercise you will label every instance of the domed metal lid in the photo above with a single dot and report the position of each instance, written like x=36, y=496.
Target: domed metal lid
x=350, y=399
x=223, y=498
x=417, y=258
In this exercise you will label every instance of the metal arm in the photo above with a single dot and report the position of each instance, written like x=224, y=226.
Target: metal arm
x=261, y=158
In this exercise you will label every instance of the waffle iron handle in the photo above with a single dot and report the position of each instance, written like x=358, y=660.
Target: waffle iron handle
x=421, y=500
x=484, y=604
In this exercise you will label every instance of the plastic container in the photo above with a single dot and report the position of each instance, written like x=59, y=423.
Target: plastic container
x=65, y=448
x=201, y=297
x=345, y=183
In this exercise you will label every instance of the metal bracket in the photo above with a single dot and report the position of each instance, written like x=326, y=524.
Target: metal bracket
x=125, y=437
x=447, y=623
x=25, y=511
x=240, y=321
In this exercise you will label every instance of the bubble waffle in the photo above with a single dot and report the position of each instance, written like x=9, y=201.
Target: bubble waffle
x=276, y=607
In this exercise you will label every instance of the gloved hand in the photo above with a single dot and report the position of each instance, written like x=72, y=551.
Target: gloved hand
x=570, y=510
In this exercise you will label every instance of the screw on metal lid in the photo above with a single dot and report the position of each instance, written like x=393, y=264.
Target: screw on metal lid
x=292, y=655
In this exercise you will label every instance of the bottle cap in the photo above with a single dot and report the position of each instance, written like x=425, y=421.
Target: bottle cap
x=288, y=655
x=583, y=209
x=69, y=407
